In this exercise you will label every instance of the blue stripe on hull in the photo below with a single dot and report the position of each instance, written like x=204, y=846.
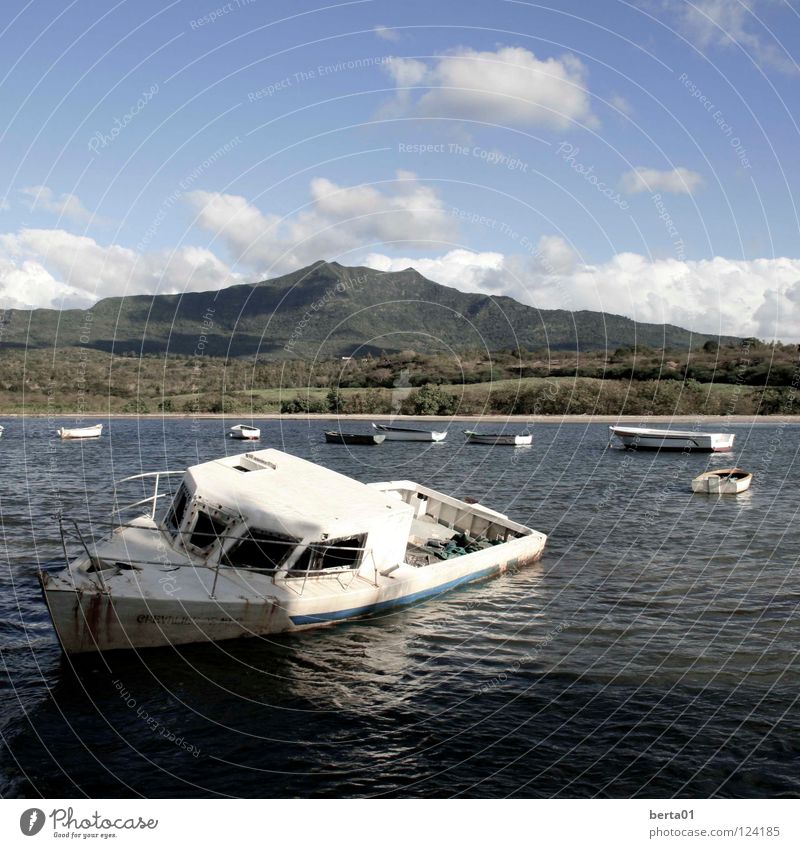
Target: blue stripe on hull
x=357, y=612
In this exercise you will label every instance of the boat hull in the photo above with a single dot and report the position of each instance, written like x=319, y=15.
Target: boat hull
x=666, y=440
x=409, y=435
x=81, y=432
x=498, y=439
x=725, y=481
x=337, y=438
x=91, y=620
x=87, y=622
x=245, y=436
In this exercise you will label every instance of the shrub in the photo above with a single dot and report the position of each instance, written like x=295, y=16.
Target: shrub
x=429, y=400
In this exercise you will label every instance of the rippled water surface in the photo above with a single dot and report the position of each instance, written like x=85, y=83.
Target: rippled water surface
x=652, y=651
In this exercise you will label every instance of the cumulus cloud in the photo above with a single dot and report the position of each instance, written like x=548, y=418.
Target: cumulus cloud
x=731, y=23
x=676, y=181
x=759, y=297
x=461, y=269
x=338, y=219
x=54, y=268
x=508, y=86
x=64, y=205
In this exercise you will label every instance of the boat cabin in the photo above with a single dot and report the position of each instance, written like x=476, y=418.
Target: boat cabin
x=273, y=512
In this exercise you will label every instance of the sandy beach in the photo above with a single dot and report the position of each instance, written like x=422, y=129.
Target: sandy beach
x=520, y=419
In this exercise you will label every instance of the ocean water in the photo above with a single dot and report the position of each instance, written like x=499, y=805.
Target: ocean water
x=652, y=652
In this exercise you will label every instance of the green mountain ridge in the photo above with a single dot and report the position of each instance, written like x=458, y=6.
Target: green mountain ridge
x=328, y=309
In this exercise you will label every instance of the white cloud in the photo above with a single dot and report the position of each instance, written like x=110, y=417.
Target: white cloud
x=339, y=219
x=728, y=23
x=676, y=181
x=508, y=86
x=51, y=268
x=759, y=297
x=406, y=72
x=461, y=269
x=620, y=103
x=386, y=33
x=64, y=205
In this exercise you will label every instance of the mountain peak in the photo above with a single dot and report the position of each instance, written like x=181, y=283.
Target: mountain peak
x=307, y=312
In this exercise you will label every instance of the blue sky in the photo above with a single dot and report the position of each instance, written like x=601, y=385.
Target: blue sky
x=634, y=157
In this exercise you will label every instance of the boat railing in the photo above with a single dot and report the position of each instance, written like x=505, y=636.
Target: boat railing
x=151, y=501
x=75, y=533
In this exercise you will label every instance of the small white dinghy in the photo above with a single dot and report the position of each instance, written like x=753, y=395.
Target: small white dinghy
x=723, y=481
x=245, y=432
x=266, y=542
x=409, y=434
x=474, y=438
x=92, y=432
x=648, y=438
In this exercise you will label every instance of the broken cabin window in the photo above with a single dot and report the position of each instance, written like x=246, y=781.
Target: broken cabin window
x=301, y=565
x=260, y=550
x=343, y=553
x=207, y=530
x=177, y=510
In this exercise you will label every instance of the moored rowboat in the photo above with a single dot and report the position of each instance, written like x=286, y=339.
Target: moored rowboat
x=92, y=432
x=646, y=438
x=723, y=481
x=339, y=438
x=245, y=431
x=474, y=438
x=409, y=434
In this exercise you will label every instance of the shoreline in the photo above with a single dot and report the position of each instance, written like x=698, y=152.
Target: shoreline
x=327, y=416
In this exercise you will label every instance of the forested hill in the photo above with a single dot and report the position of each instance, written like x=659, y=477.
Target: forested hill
x=328, y=309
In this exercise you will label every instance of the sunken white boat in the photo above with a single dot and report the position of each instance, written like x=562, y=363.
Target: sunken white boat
x=646, y=438
x=409, y=434
x=265, y=542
